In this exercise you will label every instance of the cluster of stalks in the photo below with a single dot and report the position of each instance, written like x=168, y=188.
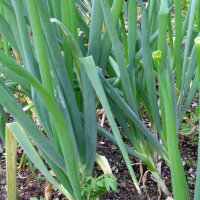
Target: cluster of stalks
x=75, y=56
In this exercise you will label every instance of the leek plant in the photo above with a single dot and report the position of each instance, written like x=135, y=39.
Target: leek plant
x=71, y=50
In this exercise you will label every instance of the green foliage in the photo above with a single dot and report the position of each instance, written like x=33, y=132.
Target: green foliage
x=71, y=63
x=94, y=187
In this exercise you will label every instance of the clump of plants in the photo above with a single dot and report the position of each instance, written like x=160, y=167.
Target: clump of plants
x=77, y=56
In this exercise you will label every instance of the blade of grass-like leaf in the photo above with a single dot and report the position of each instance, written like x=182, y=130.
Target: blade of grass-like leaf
x=162, y=49
x=148, y=70
x=40, y=46
x=76, y=52
x=169, y=114
x=44, y=95
x=177, y=171
x=178, y=42
x=69, y=19
x=3, y=121
x=153, y=15
x=197, y=186
x=67, y=51
x=29, y=61
x=89, y=123
x=171, y=41
x=114, y=65
x=95, y=31
x=198, y=17
x=26, y=45
x=88, y=92
x=132, y=33
x=106, y=42
x=190, y=96
x=143, y=95
x=132, y=36
x=90, y=69
x=41, y=51
x=63, y=77
x=56, y=5
x=179, y=183
x=16, y=130
x=60, y=174
x=50, y=7
x=186, y=20
x=124, y=36
x=57, y=9
x=72, y=18
x=190, y=70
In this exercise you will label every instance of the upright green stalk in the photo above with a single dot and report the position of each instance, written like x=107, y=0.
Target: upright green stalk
x=40, y=46
x=197, y=186
x=198, y=16
x=162, y=44
x=67, y=52
x=29, y=61
x=148, y=71
x=3, y=120
x=106, y=42
x=179, y=183
x=69, y=20
x=132, y=34
x=95, y=31
x=178, y=42
x=5, y=42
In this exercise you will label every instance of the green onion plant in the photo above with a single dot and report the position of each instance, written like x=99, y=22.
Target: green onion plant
x=138, y=60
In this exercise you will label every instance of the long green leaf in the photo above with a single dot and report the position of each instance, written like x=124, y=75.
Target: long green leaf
x=197, y=186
